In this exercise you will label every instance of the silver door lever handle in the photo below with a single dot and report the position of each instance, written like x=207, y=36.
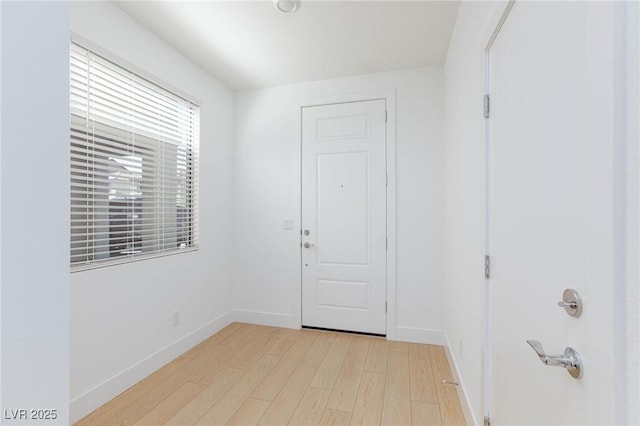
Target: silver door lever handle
x=569, y=360
x=546, y=359
x=307, y=245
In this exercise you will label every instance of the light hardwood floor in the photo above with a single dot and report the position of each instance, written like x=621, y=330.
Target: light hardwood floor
x=249, y=374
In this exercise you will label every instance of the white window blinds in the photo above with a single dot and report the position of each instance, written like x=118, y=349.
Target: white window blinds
x=134, y=164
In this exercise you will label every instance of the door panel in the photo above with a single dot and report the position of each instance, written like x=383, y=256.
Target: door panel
x=344, y=216
x=541, y=206
x=343, y=294
x=343, y=208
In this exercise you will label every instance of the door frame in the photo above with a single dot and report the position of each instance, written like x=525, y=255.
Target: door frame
x=389, y=97
x=495, y=24
x=625, y=197
x=627, y=180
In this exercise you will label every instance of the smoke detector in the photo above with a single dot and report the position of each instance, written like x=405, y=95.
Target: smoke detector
x=287, y=6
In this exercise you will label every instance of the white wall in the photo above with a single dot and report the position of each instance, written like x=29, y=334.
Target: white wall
x=34, y=116
x=121, y=317
x=266, y=190
x=464, y=195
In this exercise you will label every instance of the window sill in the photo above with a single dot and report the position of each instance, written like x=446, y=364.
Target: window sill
x=129, y=259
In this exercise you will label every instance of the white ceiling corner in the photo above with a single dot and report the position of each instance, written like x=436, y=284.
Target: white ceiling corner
x=249, y=44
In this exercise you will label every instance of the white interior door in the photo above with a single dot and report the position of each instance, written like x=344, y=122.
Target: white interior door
x=344, y=216
x=550, y=203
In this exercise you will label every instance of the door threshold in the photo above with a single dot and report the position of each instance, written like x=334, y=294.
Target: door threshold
x=344, y=331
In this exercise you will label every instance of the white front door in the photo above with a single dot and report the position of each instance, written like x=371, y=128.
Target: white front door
x=344, y=216
x=550, y=213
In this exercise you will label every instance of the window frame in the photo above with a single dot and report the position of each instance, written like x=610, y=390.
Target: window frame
x=133, y=69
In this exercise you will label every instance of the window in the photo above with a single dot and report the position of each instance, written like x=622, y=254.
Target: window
x=134, y=165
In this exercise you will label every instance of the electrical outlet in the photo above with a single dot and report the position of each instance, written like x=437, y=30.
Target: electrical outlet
x=176, y=317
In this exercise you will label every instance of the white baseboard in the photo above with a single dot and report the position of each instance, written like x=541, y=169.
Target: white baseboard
x=264, y=318
x=462, y=393
x=420, y=335
x=87, y=402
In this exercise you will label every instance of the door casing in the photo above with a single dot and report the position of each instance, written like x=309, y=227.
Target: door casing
x=389, y=97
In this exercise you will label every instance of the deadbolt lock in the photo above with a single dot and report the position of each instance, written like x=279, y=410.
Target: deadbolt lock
x=571, y=302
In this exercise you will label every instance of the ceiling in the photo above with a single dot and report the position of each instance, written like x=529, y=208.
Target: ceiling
x=250, y=44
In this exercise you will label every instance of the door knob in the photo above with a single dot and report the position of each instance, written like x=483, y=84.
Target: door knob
x=569, y=360
x=308, y=245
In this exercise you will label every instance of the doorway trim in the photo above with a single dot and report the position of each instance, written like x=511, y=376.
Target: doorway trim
x=389, y=97
x=627, y=205
x=495, y=25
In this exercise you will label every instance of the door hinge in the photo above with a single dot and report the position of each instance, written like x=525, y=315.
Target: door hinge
x=385, y=116
x=486, y=108
x=385, y=307
x=487, y=266
x=487, y=421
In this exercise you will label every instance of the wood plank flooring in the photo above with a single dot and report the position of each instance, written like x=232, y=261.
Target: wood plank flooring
x=255, y=375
